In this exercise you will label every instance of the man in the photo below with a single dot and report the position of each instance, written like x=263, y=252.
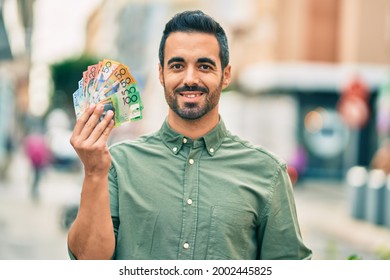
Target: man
x=191, y=190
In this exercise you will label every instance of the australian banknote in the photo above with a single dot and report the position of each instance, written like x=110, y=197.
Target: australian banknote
x=111, y=84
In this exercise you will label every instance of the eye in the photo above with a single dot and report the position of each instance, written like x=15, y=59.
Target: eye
x=176, y=66
x=205, y=67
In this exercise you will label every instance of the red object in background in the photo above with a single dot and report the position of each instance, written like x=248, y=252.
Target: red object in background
x=356, y=88
x=353, y=104
x=293, y=173
x=297, y=164
x=37, y=150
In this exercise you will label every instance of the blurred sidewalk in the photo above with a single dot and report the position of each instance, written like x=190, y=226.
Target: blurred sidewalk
x=329, y=229
x=33, y=230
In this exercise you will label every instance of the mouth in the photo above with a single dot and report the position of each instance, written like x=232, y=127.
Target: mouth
x=191, y=95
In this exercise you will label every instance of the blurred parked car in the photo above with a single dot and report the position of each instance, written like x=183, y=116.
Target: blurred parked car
x=58, y=135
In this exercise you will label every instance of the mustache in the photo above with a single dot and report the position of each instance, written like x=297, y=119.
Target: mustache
x=191, y=88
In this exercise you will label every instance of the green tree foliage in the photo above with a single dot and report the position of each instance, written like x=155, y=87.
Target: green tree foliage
x=65, y=76
x=354, y=257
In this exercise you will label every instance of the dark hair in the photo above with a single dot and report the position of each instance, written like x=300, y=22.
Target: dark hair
x=196, y=21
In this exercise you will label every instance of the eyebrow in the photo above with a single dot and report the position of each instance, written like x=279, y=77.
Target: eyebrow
x=175, y=59
x=200, y=60
x=207, y=60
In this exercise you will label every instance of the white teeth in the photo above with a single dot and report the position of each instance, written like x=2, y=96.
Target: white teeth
x=192, y=95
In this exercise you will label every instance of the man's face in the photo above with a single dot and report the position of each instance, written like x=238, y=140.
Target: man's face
x=192, y=76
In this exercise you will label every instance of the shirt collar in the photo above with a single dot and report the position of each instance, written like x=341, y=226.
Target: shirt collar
x=175, y=141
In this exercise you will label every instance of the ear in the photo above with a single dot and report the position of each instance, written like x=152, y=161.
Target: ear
x=227, y=75
x=160, y=74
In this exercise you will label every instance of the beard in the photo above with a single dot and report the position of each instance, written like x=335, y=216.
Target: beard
x=193, y=110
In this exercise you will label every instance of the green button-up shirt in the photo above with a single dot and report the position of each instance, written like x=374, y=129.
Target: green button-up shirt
x=217, y=197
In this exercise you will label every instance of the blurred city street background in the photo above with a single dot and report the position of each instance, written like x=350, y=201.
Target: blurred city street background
x=311, y=82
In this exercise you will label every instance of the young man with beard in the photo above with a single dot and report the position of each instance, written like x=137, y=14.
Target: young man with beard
x=192, y=190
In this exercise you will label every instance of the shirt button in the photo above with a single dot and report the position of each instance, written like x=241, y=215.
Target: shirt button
x=211, y=150
x=185, y=140
x=174, y=149
x=189, y=201
x=191, y=161
x=186, y=245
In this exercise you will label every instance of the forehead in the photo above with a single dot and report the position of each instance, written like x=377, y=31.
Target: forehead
x=191, y=45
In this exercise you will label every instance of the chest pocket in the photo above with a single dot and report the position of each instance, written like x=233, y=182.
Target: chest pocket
x=232, y=234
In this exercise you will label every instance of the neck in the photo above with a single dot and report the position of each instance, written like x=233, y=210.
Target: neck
x=193, y=129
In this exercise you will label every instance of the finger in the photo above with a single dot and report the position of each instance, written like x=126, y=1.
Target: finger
x=106, y=133
x=99, y=129
x=83, y=120
x=92, y=122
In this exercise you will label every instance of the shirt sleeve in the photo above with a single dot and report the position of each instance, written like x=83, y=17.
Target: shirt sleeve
x=279, y=233
x=71, y=256
x=114, y=201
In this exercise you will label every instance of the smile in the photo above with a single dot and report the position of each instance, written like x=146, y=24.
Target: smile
x=191, y=95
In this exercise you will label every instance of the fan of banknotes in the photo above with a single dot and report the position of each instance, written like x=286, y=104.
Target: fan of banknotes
x=111, y=84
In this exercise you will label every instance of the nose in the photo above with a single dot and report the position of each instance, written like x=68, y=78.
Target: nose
x=191, y=77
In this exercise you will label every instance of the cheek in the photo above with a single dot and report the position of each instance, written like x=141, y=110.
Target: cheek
x=171, y=81
x=213, y=84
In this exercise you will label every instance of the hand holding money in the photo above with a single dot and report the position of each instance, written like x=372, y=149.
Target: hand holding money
x=89, y=139
x=111, y=84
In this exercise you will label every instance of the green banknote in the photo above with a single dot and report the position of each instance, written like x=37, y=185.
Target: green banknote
x=126, y=105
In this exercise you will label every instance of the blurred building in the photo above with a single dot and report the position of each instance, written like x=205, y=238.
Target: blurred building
x=295, y=57
x=335, y=31
x=313, y=50
x=292, y=61
x=14, y=71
